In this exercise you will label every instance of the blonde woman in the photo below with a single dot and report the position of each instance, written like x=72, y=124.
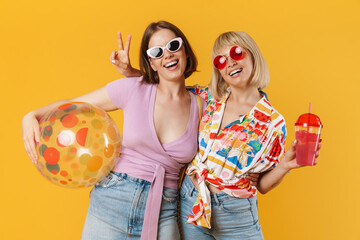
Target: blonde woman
x=240, y=133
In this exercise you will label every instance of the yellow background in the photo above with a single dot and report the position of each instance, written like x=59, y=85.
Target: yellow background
x=52, y=50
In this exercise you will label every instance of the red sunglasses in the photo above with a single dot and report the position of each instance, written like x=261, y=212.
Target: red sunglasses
x=235, y=53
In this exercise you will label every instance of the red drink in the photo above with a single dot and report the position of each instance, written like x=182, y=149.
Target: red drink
x=306, y=146
x=307, y=135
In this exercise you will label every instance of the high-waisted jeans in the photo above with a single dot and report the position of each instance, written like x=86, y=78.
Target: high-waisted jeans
x=117, y=208
x=231, y=218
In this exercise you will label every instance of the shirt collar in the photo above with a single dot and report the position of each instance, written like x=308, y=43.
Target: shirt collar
x=262, y=110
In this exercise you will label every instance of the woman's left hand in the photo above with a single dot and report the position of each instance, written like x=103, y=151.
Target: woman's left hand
x=289, y=160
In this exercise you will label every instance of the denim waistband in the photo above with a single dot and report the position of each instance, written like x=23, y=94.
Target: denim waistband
x=130, y=178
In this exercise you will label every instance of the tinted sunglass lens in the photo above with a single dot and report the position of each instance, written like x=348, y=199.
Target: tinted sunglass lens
x=174, y=45
x=237, y=53
x=220, y=62
x=156, y=52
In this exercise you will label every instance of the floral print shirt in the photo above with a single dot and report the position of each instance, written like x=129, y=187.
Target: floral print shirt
x=253, y=143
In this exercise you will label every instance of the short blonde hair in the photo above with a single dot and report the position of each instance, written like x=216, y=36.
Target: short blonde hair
x=260, y=76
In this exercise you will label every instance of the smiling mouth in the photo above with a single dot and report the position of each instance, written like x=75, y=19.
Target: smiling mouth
x=235, y=72
x=171, y=64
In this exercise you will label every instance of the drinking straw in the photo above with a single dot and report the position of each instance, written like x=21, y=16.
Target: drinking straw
x=309, y=117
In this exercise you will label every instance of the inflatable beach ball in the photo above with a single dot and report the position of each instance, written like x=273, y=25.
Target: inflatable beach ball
x=79, y=145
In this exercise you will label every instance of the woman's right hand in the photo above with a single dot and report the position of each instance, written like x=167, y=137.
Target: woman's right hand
x=30, y=133
x=120, y=59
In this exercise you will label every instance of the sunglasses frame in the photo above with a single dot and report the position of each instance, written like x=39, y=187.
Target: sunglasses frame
x=220, y=65
x=179, y=39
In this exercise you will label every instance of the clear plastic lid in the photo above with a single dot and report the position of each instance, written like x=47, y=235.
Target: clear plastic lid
x=309, y=119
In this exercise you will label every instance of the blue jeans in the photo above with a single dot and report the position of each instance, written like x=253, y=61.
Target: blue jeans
x=231, y=218
x=117, y=208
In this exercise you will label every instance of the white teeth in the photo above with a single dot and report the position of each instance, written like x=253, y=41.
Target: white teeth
x=235, y=72
x=171, y=64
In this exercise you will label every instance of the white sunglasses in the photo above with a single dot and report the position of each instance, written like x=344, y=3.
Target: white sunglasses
x=173, y=46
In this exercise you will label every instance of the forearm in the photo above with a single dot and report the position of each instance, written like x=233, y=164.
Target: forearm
x=40, y=112
x=271, y=179
x=99, y=98
x=274, y=177
x=134, y=73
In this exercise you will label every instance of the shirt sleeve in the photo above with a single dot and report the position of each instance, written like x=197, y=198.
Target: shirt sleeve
x=120, y=90
x=202, y=92
x=274, y=150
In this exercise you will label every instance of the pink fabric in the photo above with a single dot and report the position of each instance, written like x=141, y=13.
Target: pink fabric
x=142, y=155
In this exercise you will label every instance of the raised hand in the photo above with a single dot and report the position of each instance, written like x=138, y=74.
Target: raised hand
x=120, y=59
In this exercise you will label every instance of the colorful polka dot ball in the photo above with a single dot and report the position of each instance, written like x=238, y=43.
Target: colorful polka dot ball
x=79, y=145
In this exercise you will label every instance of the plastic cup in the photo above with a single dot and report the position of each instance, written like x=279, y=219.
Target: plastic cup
x=307, y=134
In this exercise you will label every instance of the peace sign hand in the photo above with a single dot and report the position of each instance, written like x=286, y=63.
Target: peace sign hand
x=120, y=59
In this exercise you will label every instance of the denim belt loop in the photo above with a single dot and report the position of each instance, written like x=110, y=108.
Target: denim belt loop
x=191, y=191
x=216, y=199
